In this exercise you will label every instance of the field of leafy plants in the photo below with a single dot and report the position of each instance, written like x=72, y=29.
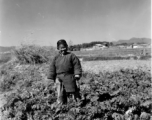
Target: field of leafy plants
x=124, y=94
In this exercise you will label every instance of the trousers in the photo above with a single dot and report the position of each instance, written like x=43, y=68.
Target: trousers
x=63, y=96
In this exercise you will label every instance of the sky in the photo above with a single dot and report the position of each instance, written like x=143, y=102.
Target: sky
x=44, y=22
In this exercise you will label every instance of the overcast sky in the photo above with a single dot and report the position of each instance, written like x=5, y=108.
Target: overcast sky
x=44, y=22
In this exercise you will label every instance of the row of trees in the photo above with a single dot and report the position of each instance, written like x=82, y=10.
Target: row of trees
x=87, y=45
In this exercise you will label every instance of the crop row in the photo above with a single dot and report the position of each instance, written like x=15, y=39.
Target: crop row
x=107, y=95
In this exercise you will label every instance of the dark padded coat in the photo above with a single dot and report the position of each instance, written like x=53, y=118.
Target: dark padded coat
x=65, y=67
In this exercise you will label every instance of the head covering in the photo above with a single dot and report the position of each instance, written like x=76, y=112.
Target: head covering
x=63, y=42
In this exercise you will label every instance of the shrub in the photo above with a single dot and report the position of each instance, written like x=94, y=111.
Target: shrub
x=32, y=54
x=145, y=57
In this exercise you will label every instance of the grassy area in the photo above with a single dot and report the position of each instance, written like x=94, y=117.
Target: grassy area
x=114, y=65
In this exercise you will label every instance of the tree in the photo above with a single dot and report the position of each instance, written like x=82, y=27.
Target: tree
x=70, y=43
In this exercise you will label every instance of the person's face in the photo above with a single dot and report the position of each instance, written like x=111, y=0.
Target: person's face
x=62, y=48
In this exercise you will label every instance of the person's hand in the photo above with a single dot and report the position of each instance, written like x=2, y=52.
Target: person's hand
x=50, y=83
x=77, y=77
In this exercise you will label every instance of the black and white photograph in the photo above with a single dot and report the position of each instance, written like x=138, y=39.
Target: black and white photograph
x=75, y=60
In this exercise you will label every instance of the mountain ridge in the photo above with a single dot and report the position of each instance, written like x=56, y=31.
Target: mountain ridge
x=6, y=49
x=134, y=40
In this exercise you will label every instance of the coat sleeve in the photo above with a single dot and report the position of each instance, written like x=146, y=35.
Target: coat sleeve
x=76, y=65
x=52, y=70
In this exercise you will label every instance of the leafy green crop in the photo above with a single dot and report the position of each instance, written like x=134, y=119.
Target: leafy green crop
x=105, y=96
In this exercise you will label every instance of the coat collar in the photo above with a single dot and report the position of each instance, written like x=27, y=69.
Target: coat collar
x=64, y=54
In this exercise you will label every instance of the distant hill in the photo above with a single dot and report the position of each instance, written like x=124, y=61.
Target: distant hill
x=6, y=49
x=134, y=40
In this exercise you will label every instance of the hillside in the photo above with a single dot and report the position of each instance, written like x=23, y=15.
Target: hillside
x=134, y=40
x=6, y=49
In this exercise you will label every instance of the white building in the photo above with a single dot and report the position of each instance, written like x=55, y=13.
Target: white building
x=99, y=46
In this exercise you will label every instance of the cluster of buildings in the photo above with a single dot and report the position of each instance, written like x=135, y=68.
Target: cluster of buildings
x=133, y=46
x=95, y=47
x=102, y=46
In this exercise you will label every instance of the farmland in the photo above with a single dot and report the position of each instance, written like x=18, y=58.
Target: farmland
x=113, y=51
x=114, y=65
x=109, y=89
x=5, y=57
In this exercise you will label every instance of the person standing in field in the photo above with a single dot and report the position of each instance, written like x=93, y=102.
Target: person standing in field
x=66, y=71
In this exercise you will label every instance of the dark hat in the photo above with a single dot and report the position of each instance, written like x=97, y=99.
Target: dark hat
x=63, y=42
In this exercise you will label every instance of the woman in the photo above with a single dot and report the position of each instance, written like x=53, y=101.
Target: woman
x=65, y=70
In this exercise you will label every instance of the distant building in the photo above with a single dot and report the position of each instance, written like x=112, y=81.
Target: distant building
x=141, y=46
x=99, y=46
x=95, y=47
x=134, y=46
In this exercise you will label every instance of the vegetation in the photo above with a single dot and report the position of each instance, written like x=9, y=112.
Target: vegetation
x=107, y=95
x=95, y=58
x=114, y=52
x=88, y=45
x=110, y=44
x=31, y=54
x=115, y=65
x=104, y=95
